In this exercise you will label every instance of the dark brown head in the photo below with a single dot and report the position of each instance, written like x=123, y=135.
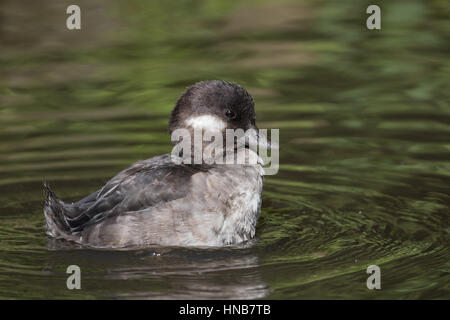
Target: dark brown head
x=214, y=105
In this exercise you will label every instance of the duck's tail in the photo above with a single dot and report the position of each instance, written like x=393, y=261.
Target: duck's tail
x=57, y=226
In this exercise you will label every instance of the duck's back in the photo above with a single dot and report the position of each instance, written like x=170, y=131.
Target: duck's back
x=158, y=202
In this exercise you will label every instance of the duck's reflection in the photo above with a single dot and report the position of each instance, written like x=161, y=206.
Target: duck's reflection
x=195, y=274
x=170, y=273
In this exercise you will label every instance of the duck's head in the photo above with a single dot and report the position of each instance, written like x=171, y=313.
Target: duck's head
x=216, y=109
x=215, y=106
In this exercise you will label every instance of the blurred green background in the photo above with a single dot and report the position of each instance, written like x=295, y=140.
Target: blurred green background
x=364, y=141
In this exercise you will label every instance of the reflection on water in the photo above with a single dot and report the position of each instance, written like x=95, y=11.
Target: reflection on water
x=364, y=142
x=164, y=273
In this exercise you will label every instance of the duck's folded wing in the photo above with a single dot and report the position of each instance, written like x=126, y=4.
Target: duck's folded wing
x=139, y=187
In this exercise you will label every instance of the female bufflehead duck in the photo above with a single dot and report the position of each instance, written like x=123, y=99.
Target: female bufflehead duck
x=162, y=202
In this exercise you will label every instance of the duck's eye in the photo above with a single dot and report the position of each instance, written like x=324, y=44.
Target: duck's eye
x=230, y=114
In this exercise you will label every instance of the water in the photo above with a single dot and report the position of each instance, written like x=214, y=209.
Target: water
x=364, y=134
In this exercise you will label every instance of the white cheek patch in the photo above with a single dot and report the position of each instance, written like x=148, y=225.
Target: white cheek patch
x=206, y=122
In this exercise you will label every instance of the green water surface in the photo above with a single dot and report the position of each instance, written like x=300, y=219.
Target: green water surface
x=364, y=121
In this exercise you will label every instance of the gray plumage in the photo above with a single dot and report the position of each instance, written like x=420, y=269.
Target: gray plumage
x=159, y=202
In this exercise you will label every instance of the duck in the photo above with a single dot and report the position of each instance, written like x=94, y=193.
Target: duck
x=162, y=202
